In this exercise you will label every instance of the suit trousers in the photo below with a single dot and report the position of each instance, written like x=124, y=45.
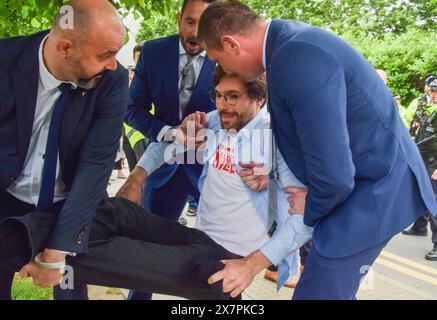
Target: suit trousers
x=132, y=248
x=421, y=223
x=12, y=207
x=169, y=200
x=335, y=278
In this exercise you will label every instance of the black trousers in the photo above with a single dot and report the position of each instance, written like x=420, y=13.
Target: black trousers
x=131, y=248
x=133, y=155
x=421, y=223
x=12, y=207
x=130, y=154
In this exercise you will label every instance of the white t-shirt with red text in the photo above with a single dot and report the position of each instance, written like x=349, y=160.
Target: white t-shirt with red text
x=226, y=210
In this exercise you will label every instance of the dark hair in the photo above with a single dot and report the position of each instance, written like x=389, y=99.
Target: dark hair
x=138, y=47
x=226, y=17
x=256, y=89
x=184, y=4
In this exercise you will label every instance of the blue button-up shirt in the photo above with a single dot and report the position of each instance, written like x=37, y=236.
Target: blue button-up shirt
x=253, y=145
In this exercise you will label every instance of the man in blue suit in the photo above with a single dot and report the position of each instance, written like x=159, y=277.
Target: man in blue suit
x=63, y=97
x=339, y=132
x=175, y=75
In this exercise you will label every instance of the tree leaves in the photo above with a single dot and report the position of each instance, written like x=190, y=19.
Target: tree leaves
x=406, y=58
x=35, y=23
x=399, y=36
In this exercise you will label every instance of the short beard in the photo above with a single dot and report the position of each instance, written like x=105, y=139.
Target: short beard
x=239, y=124
x=184, y=44
x=88, y=84
x=82, y=83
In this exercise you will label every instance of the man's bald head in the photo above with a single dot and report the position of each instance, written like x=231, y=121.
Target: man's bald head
x=383, y=75
x=84, y=41
x=87, y=19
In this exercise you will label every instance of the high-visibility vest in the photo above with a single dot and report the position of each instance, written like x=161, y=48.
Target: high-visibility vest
x=133, y=135
x=411, y=110
x=403, y=113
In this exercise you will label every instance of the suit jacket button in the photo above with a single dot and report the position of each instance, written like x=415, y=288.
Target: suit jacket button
x=12, y=179
x=80, y=236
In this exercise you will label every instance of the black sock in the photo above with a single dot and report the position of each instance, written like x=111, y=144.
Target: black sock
x=13, y=241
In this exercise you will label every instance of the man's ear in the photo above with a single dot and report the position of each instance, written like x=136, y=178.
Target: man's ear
x=64, y=48
x=230, y=44
x=260, y=102
x=178, y=18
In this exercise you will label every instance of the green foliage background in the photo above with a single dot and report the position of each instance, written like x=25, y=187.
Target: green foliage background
x=400, y=38
x=396, y=35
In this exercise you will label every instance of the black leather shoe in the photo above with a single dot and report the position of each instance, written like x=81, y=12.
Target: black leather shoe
x=412, y=232
x=432, y=255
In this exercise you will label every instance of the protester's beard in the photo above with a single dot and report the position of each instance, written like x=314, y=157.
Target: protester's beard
x=186, y=43
x=236, y=122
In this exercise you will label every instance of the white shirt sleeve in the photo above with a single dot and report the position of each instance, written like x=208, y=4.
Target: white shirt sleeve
x=153, y=158
x=286, y=176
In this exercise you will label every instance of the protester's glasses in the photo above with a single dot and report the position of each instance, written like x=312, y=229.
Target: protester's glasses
x=230, y=98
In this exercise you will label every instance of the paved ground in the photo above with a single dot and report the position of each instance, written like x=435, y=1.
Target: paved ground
x=400, y=273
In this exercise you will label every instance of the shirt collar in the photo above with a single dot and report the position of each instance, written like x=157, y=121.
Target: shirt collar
x=48, y=81
x=183, y=52
x=265, y=43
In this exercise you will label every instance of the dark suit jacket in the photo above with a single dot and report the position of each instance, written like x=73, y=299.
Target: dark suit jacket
x=156, y=81
x=89, y=140
x=340, y=132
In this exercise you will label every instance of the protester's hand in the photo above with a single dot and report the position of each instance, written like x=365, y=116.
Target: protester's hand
x=254, y=176
x=434, y=175
x=296, y=199
x=193, y=130
x=238, y=274
x=132, y=188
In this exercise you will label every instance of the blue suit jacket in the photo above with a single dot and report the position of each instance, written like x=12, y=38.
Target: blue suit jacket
x=340, y=133
x=156, y=82
x=89, y=140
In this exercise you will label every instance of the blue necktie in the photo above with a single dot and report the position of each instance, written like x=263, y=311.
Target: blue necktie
x=47, y=191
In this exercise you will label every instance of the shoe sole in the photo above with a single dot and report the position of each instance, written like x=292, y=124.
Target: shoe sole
x=431, y=259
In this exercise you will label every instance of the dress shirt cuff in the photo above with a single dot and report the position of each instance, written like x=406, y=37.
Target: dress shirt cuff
x=289, y=236
x=161, y=133
x=287, y=269
x=71, y=254
x=275, y=250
